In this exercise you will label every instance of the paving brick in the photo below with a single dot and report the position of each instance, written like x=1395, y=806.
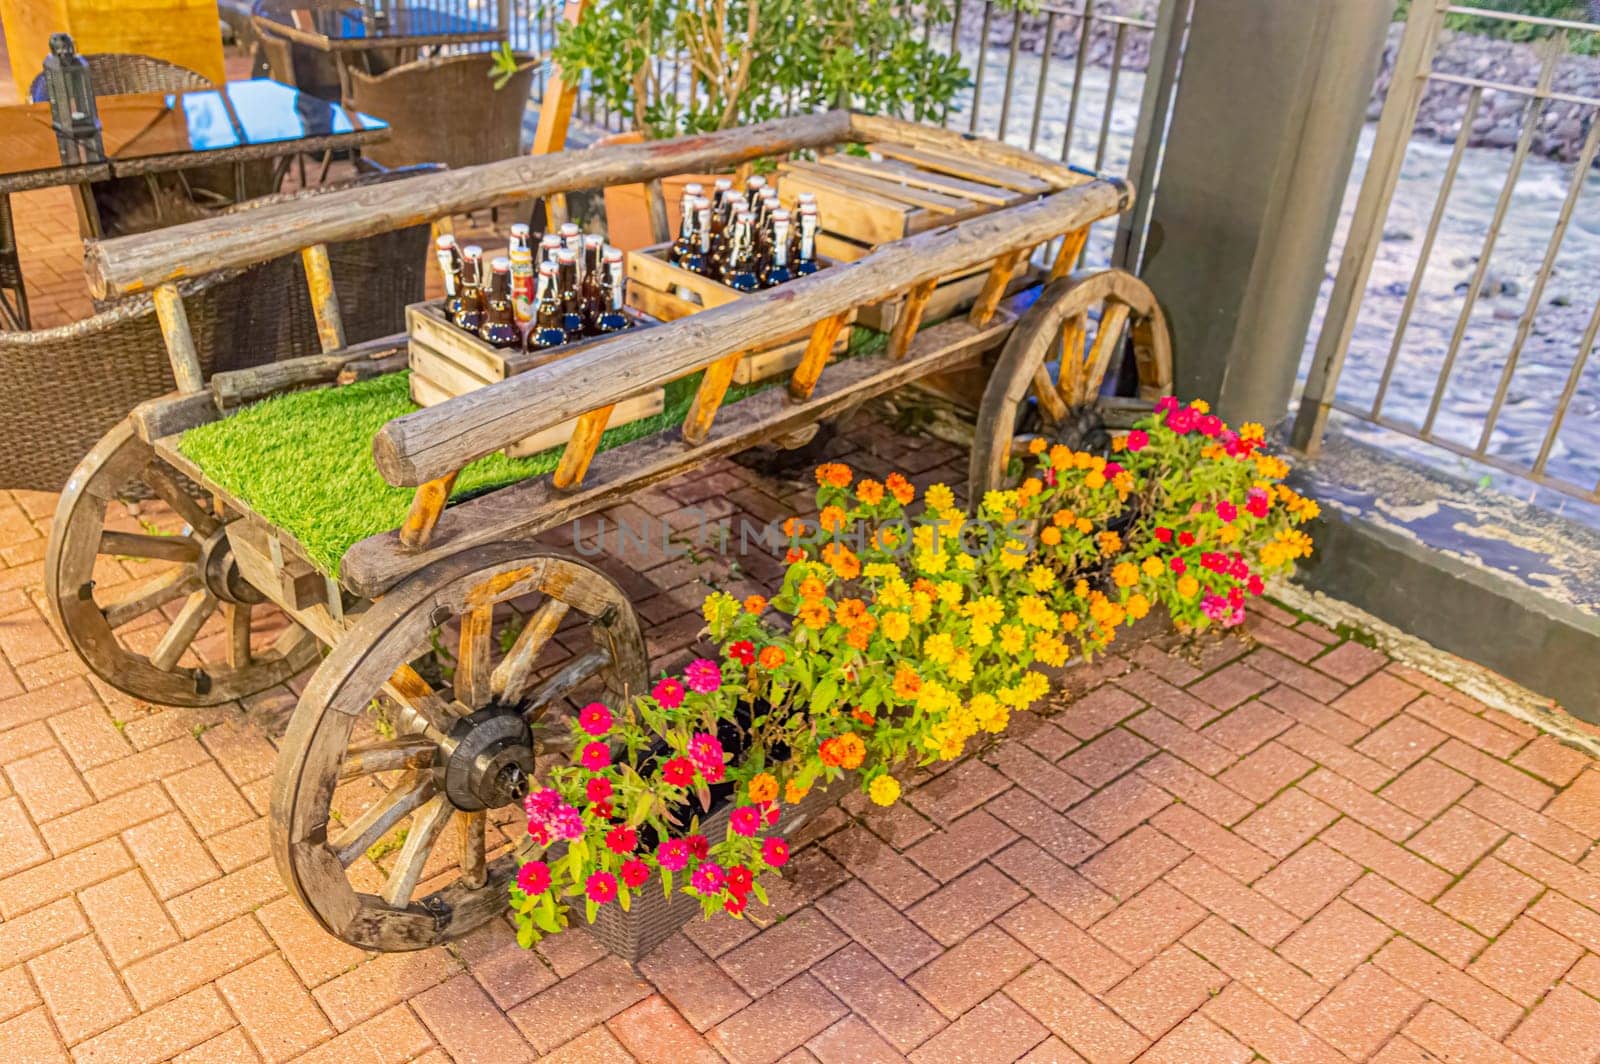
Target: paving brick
x=1182, y=741
x=1257, y=967
x=241, y=750
x=395, y=1035
x=219, y=901
x=104, y=819
x=1160, y=994
x=1312, y=713
x=1196, y=789
x=1054, y=883
x=879, y=997
x=568, y=953
x=61, y=877
x=958, y=791
x=850, y=1041
x=210, y=802
x=1049, y=741
x=1585, y=975
x=1509, y=781
x=146, y=767
x=899, y=825
x=1264, y=1029
x=1334, y=942
x=16, y=992
x=1427, y=788
x=37, y=705
x=1448, y=1037
x=1401, y=742
x=1376, y=813
x=315, y=955
x=1223, y=848
x=1232, y=900
x=1078, y=1019
x=240, y=846
x=1066, y=946
x=653, y=1032
x=1173, y=701
x=965, y=975
x=1308, y=879
x=778, y=1022
x=1467, y=727
x=162, y=1033
x=902, y=946
x=127, y=918
x=1560, y=913
x=1456, y=839
x=1229, y=686
x=874, y=862
x=30, y=1037
x=965, y=904
x=694, y=984
x=1565, y=1026
x=1453, y=941
x=1197, y=1039
x=1376, y=699
x=1350, y=662
x=1098, y=710
x=1489, y=896
x=19, y=844
x=1117, y=809
x=48, y=785
x=1392, y=862
x=1285, y=640
x=781, y=951
x=194, y=963
x=474, y=1031
x=1168, y=665
x=1148, y=923
x=80, y=990
x=88, y=737
x=1248, y=727
x=997, y=1030
x=1552, y=761
x=1266, y=772
x=387, y=980
x=965, y=842
x=1284, y=824
x=1133, y=862
x=277, y=1013
x=1039, y=777
x=171, y=855
x=231, y=1047
x=1357, y=768
x=1578, y=806
x=1360, y=1014
x=1038, y=822
x=1099, y=762
x=41, y=929
x=1525, y=961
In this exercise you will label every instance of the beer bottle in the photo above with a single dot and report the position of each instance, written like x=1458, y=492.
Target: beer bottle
x=700, y=249
x=522, y=285
x=519, y=237
x=567, y=294
x=589, y=288
x=450, y=270
x=719, y=194
x=806, y=261
x=739, y=270
x=499, y=327
x=572, y=240
x=548, y=246
x=548, y=330
x=753, y=187
x=473, y=310
x=776, y=270
x=613, y=318
x=684, y=245
x=802, y=201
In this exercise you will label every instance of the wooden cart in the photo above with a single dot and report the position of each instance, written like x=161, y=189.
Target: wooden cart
x=457, y=749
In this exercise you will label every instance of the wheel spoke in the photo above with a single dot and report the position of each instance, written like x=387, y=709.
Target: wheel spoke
x=153, y=548
x=420, y=840
x=1074, y=334
x=475, y=657
x=414, y=789
x=1106, y=341
x=414, y=694
x=565, y=680
x=511, y=676
x=1050, y=404
x=238, y=617
x=473, y=827
x=387, y=756
x=151, y=594
x=183, y=504
x=200, y=605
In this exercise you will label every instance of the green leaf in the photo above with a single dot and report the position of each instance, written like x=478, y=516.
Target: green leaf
x=527, y=936
x=624, y=899
x=590, y=909
x=641, y=810
x=824, y=695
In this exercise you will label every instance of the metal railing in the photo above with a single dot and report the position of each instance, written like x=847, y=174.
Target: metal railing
x=1470, y=425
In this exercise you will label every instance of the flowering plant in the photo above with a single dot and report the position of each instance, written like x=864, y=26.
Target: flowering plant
x=895, y=638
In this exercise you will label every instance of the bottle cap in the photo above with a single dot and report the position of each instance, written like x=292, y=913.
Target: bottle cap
x=780, y=215
x=807, y=197
x=724, y=184
x=547, y=267
x=757, y=181
x=519, y=229
x=472, y=251
x=570, y=229
x=564, y=256
x=594, y=241
x=613, y=255
x=693, y=188
x=500, y=264
x=445, y=242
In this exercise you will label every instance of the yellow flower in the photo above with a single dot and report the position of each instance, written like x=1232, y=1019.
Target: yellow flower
x=831, y=519
x=895, y=593
x=921, y=607
x=930, y=563
x=1138, y=606
x=885, y=790
x=966, y=562
x=985, y=610
x=1036, y=613
x=1041, y=578
x=1125, y=574
x=880, y=570
x=1014, y=555
x=1201, y=405
x=1048, y=649
x=961, y=669
x=1012, y=639
x=812, y=589
x=794, y=791
x=950, y=593
x=1250, y=430
x=1095, y=479
x=940, y=497
x=1081, y=589
x=1228, y=534
x=896, y=626
x=1188, y=586
x=981, y=635
x=1152, y=566
x=1084, y=460
x=939, y=648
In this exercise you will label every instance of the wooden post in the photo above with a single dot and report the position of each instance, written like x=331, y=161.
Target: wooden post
x=994, y=286
x=910, y=319
x=426, y=506
x=180, y=342
x=579, y=451
x=713, y=387
x=555, y=115
x=818, y=348
x=324, y=301
x=1072, y=246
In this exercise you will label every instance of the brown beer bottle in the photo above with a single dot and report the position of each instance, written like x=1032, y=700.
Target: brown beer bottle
x=548, y=330
x=450, y=270
x=567, y=293
x=776, y=269
x=593, y=302
x=614, y=318
x=473, y=310
x=699, y=253
x=739, y=269
x=806, y=261
x=683, y=245
x=499, y=327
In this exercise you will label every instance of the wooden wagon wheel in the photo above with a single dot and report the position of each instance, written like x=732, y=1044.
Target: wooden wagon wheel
x=119, y=626
x=462, y=744
x=1078, y=323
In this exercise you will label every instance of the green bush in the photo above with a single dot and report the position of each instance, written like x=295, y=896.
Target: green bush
x=1573, y=10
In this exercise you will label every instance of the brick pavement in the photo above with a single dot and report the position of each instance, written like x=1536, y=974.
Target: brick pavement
x=1284, y=845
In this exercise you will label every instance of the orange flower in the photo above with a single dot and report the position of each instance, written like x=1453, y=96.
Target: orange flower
x=850, y=611
x=1063, y=518
x=1037, y=445
x=900, y=488
x=812, y=589
x=834, y=474
x=792, y=555
x=843, y=561
x=926, y=586
x=755, y=604
x=845, y=751
x=859, y=637
x=906, y=682
x=864, y=717
x=831, y=519
x=794, y=791
x=870, y=492
x=763, y=787
x=770, y=657
x=1050, y=535
x=814, y=615
x=794, y=528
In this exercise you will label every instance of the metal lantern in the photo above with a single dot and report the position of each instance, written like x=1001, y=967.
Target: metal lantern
x=66, y=80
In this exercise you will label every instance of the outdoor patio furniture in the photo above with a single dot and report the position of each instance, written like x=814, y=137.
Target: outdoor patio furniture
x=119, y=73
x=444, y=110
x=13, y=293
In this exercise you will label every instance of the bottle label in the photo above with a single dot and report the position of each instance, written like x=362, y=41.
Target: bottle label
x=522, y=296
x=447, y=271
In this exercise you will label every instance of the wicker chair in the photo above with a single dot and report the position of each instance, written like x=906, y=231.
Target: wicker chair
x=13, y=293
x=117, y=73
x=444, y=110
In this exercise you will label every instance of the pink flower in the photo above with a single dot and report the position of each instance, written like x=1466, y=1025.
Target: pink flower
x=708, y=878
x=1182, y=420
x=601, y=887
x=704, y=675
x=598, y=789
x=679, y=772
x=1111, y=470
x=746, y=821
x=1165, y=403
x=1258, y=503
x=1138, y=440
x=1209, y=425
x=775, y=851
x=596, y=756
x=635, y=872
x=621, y=839
x=1215, y=606
x=550, y=818
x=1050, y=475
x=669, y=693
x=1227, y=511
x=595, y=718
x=533, y=877
x=698, y=845
x=705, y=750
x=1254, y=585
x=1179, y=566
x=673, y=855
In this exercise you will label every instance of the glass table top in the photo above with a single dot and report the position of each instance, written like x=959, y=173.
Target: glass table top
x=357, y=24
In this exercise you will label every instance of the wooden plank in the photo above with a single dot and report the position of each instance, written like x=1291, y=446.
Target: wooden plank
x=446, y=372
x=581, y=448
x=428, y=443
x=426, y=506
x=376, y=564
x=938, y=202
x=361, y=361
x=625, y=412
x=708, y=397
x=840, y=249
x=649, y=266
x=818, y=350
x=667, y=306
x=994, y=285
x=953, y=294
x=324, y=301
x=173, y=414
x=963, y=166
x=905, y=328
x=905, y=173
x=947, y=144
x=852, y=212
x=138, y=263
x=181, y=354
x=1067, y=255
x=431, y=329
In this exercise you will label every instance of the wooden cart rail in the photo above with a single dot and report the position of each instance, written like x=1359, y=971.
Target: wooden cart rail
x=433, y=443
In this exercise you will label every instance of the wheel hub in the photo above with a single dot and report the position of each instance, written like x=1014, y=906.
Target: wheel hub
x=492, y=761
x=221, y=572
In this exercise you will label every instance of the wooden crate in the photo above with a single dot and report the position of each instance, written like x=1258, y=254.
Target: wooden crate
x=447, y=361
x=657, y=288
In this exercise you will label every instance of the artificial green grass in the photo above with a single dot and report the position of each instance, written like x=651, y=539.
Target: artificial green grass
x=303, y=461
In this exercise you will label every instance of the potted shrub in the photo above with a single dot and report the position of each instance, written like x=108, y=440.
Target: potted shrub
x=895, y=638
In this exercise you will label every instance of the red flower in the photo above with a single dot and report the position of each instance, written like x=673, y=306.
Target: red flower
x=601, y=811
x=1185, y=539
x=1138, y=439
x=744, y=652
x=621, y=839
x=699, y=845
x=635, y=872
x=1164, y=535
x=598, y=789
x=775, y=851
x=734, y=905
x=1255, y=585
x=679, y=772
x=739, y=880
x=601, y=887
x=771, y=809
x=1178, y=566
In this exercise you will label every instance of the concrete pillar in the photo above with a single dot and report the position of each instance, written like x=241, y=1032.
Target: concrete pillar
x=1270, y=102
